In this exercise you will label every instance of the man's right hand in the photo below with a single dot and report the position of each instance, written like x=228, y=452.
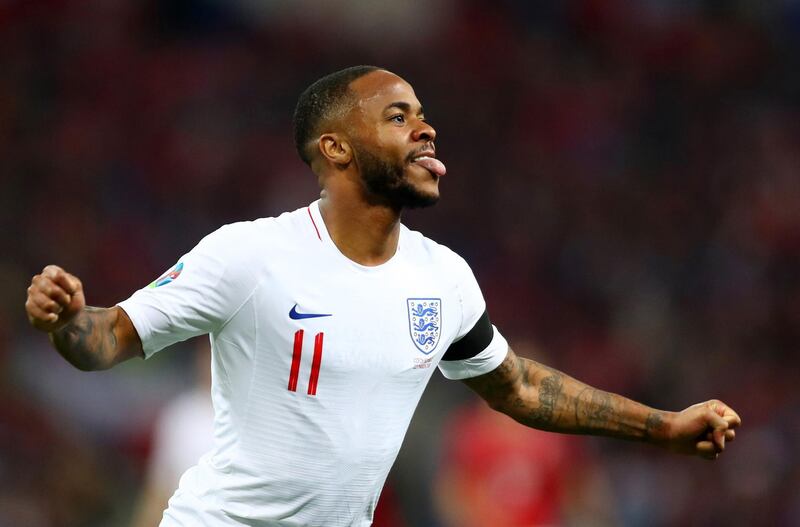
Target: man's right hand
x=55, y=297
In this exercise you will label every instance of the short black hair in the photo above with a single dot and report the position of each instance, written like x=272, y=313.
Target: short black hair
x=319, y=101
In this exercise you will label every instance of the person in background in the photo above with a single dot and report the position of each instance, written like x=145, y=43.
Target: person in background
x=183, y=432
x=493, y=473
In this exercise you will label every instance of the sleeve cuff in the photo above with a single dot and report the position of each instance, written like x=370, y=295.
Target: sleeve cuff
x=484, y=362
x=139, y=322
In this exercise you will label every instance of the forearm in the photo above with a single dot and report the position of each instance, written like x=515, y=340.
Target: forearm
x=89, y=341
x=544, y=398
x=551, y=400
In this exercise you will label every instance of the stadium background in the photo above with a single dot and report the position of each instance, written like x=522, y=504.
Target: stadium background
x=623, y=177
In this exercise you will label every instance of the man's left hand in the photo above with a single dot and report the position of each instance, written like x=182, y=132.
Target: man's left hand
x=702, y=429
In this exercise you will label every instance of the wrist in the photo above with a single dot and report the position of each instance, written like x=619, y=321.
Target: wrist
x=658, y=426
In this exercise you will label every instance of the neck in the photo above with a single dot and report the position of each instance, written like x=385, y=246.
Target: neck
x=365, y=233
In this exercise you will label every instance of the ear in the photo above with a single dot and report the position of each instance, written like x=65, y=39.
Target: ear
x=335, y=149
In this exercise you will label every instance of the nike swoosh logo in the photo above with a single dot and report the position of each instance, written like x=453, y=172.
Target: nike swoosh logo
x=294, y=315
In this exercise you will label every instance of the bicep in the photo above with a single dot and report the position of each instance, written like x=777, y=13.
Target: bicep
x=499, y=386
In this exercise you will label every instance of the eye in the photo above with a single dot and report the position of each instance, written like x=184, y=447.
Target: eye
x=399, y=118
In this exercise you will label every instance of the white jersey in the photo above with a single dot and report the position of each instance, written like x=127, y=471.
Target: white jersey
x=317, y=364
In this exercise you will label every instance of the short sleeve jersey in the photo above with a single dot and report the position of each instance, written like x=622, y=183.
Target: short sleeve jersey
x=317, y=364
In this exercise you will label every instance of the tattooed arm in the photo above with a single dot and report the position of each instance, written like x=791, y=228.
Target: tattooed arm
x=544, y=398
x=89, y=338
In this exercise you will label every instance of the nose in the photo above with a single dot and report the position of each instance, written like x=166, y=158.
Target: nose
x=424, y=132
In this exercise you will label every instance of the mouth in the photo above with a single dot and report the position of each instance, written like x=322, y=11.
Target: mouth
x=427, y=159
x=427, y=151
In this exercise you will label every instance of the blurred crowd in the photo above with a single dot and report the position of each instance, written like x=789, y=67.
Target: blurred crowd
x=623, y=177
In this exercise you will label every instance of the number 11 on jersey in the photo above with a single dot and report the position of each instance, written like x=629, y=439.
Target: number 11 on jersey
x=297, y=353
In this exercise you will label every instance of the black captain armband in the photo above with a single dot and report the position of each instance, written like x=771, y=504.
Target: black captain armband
x=474, y=342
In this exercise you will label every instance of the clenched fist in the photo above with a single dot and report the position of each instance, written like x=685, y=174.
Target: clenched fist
x=54, y=298
x=703, y=428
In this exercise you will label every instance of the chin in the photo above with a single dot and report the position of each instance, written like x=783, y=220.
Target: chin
x=412, y=188
x=421, y=199
x=419, y=194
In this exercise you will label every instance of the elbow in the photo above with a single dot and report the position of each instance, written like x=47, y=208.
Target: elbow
x=89, y=365
x=83, y=366
x=89, y=362
x=500, y=405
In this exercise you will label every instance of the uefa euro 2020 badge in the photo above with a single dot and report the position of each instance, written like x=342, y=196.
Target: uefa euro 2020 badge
x=168, y=277
x=425, y=322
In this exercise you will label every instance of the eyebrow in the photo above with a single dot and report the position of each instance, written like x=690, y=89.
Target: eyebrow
x=404, y=106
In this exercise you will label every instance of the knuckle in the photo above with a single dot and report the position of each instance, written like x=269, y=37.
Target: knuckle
x=53, y=272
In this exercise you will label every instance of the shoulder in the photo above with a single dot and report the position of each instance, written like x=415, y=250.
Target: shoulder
x=255, y=236
x=232, y=233
x=421, y=247
x=232, y=242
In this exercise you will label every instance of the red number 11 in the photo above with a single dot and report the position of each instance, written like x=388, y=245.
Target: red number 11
x=294, y=373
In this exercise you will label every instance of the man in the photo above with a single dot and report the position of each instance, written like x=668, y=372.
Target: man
x=326, y=324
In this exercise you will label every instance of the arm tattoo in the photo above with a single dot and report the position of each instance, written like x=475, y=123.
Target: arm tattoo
x=550, y=392
x=593, y=407
x=654, y=423
x=88, y=340
x=511, y=385
x=544, y=398
x=495, y=385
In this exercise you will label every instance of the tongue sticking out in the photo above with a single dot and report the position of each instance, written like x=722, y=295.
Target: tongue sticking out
x=432, y=164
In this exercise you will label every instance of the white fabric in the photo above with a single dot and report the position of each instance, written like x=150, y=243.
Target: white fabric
x=183, y=433
x=483, y=362
x=284, y=457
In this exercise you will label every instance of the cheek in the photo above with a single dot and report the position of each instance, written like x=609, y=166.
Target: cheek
x=391, y=140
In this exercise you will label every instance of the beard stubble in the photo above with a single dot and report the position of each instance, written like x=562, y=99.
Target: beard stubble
x=386, y=183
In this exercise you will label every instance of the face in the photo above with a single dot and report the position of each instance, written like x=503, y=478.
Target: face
x=392, y=143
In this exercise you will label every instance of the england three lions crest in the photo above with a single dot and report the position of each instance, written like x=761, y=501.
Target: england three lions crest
x=425, y=322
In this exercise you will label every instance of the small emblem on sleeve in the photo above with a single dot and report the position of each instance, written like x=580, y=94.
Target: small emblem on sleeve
x=168, y=277
x=425, y=322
